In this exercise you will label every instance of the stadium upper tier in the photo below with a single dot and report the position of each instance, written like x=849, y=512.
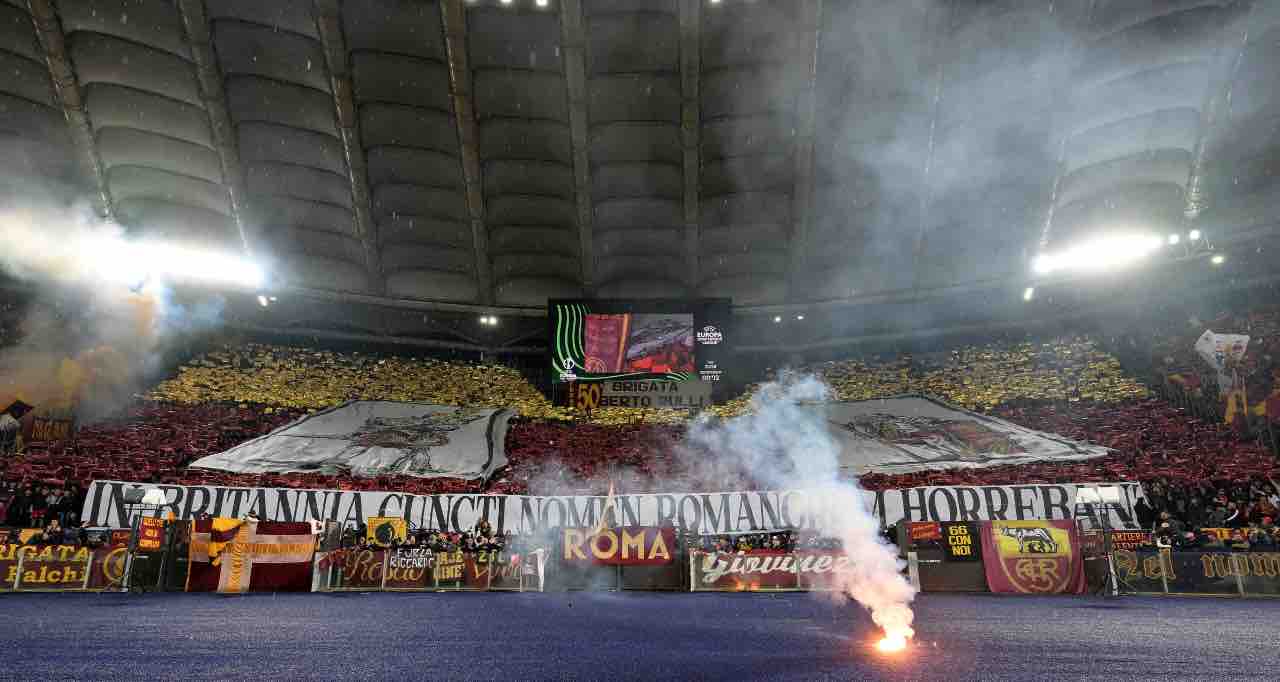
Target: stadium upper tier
x=505, y=152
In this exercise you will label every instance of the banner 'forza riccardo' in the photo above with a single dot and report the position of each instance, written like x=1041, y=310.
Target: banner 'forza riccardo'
x=722, y=512
x=376, y=437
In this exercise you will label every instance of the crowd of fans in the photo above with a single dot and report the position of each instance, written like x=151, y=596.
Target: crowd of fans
x=983, y=377
x=785, y=541
x=308, y=379
x=1199, y=514
x=1069, y=387
x=1168, y=351
x=480, y=539
x=31, y=505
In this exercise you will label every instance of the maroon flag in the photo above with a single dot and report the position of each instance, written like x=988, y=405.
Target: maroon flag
x=258, y=556
x=1032, y=557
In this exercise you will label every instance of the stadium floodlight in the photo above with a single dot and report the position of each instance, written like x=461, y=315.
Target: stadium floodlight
x=777, y=319
x=1107, y=253
x=542, y=3
x=800, y=317
x=1194, y=235
x=133, y=263
x=1028, y=293
x=262, y=300
x=1174, y=239
x=1218, y=259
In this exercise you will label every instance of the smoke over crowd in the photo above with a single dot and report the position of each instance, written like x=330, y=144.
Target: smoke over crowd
x=90, y=333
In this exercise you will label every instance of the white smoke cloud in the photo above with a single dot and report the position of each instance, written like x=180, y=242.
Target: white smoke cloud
x=95, y=323
x=786, y=444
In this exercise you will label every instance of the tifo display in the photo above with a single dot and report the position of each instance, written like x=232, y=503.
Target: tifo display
x=1004, y=433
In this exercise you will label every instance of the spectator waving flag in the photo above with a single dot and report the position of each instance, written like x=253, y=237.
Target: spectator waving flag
x=1222, y=352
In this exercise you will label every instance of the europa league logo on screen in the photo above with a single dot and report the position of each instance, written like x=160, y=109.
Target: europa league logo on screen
x=710, y=336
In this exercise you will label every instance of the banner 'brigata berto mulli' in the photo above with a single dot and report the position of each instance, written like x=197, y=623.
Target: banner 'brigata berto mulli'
x=705, y=512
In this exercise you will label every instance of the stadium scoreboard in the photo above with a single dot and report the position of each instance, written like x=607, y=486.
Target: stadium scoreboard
x=638, y=353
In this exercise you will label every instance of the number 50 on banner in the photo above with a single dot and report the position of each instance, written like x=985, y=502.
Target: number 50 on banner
x=586, y=397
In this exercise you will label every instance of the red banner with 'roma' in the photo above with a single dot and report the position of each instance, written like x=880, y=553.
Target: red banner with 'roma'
x=1033, y=557
x=229, y=555
x=626, y=546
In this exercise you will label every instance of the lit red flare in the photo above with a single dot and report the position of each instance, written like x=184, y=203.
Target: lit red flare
x=892, y=643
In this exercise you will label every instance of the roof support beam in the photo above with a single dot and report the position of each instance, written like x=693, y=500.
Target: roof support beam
x=328, y=15
x=454, y=18
x=810, y=30
x=939, y=29
x=1227, y=57
x=573, y=47
x=67, y=88
x=196, y=24
x=1063, y=126
x=691, y=132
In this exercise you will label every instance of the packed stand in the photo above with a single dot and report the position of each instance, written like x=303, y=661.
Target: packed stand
x=1069, y=387
x=53, y=511
x=308, y=379
x=1167, y=351
x=482, y=538
x=1151, y=438
x=1213, y=515
x=784, y=541
x=984, y=377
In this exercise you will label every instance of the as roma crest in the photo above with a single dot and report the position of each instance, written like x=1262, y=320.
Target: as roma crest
x=1034, y=556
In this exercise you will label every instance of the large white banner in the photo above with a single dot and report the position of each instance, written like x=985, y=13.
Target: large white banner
x=724, y=512
x=370, y=438
x=915, y=433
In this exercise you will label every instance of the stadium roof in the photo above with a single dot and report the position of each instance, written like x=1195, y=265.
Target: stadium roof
x=443, y=155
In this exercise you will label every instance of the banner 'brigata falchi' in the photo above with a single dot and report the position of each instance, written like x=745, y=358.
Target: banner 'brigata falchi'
x=708, y=513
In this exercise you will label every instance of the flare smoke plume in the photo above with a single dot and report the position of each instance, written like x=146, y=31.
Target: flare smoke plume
x=88, y=336
x=786, y=445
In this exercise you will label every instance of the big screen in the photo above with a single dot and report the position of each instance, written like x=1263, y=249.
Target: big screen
x=598, y=340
